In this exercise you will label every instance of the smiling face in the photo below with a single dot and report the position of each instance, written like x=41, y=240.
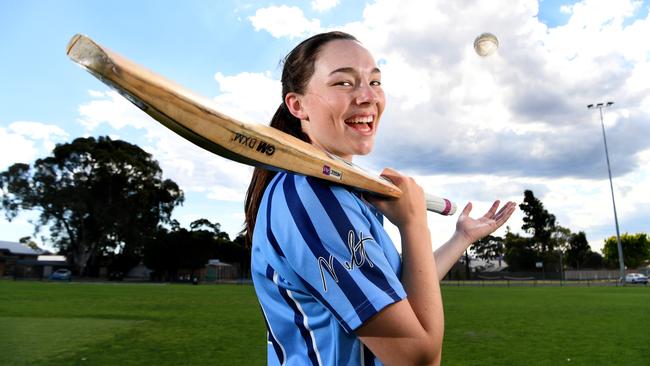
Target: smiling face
x=343, y=101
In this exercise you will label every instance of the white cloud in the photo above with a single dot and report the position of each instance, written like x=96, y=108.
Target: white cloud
x=324, y=5
x=111, y=108
x=492, y=127
x=248, y=96
x=284, y=21
x=96, y=93
x=25, y=141
x=36, y=130
x=15, y=149
x=221, y=193
x=195, y=169
x=47, y=134
x=598, y=14
x=245, y=96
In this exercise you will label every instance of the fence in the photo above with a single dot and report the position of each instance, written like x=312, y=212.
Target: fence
x=506, y=281
x=598, y=274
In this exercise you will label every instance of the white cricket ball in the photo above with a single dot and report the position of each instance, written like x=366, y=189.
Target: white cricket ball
x=486, y=44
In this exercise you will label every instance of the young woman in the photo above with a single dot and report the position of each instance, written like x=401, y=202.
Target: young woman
x=332, y=287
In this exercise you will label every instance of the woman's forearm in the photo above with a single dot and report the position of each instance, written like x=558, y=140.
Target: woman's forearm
x=420, y=280
x=469, y=230
x=447, y=255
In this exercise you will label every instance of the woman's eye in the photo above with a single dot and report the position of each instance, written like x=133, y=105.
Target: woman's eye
x=344, y=83
x=375, y=83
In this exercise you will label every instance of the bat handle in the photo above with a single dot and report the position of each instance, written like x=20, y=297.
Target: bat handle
x=440, y=205
x=435, y=204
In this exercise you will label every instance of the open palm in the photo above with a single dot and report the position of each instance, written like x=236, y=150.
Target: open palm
x=475, y=229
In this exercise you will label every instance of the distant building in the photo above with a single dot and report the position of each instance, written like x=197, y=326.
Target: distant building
x=139, y=272
x=20, y=261
x=482, y=265
x=51, y=263
x=217, y=271
x=11, y=253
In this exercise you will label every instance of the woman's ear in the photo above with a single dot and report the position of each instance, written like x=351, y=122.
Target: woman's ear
x=293, y=102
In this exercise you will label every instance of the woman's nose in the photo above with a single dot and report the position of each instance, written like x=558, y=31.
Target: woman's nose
x=366, y=94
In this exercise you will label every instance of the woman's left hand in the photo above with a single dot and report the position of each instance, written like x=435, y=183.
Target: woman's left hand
x=475, y=229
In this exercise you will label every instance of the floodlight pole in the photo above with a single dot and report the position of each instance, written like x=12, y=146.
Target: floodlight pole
x=600, y=107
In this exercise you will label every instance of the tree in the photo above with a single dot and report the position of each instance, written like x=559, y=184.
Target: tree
x=519, y=252
x=636, y=250
x=244, y=250
x=538, y=222
x=162, y=253
x=593, y=260
x=467, y=260
x=578, y=250
x=98, y=197
x=489, y=248
x=180, y=249
x=560, y=238
x=27, y=240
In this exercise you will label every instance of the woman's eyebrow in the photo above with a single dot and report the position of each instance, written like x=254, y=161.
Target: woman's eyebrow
x=352, y=70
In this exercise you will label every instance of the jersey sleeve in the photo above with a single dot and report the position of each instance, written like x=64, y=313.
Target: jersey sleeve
x=325, y=234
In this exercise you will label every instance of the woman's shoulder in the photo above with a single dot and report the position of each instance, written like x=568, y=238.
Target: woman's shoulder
x=311, y=187
x=308, y=192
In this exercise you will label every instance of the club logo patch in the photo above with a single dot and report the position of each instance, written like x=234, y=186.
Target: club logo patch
x=329, y=171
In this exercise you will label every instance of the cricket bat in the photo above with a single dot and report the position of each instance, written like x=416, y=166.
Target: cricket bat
x=197, y=119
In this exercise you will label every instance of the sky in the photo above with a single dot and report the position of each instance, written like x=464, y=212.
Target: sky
x=466, y=127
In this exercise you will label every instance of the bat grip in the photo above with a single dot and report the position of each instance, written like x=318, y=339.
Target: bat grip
x=440, y=205
x=435, y=204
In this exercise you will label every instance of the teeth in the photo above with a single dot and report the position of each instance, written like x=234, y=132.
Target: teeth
x=366, y=119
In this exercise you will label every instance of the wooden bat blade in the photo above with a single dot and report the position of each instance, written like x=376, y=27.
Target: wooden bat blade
x=196, y=119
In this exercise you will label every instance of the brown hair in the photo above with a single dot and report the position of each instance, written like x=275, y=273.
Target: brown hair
x=297, y=70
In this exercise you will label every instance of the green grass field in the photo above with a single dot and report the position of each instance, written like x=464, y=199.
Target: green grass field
x=45, y=323
x=129, y=324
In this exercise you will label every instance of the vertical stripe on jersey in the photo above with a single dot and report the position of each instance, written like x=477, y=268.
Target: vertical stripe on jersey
x=270, y=274
x=300, y=320
x=362, y=306
x=305, y=323
x=343, y=225
x=367, y=357
x=269, y=232
x=279, y=350
x=323, y=302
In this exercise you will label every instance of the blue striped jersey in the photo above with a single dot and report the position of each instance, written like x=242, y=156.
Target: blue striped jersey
x=322, y=265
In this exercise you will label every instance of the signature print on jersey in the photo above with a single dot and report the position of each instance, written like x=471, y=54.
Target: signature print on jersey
x=358, y=257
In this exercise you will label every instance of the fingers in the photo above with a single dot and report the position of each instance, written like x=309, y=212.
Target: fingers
x=409, y=207
x=492, y=210
x=467, y=209
x=392, y=175
x=500, y=217
x=401, y=181
x=390, y=171
x=504, y=213
x=375, y=200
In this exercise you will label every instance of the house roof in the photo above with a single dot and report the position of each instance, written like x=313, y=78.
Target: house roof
x=51, y=258
x=17, y=248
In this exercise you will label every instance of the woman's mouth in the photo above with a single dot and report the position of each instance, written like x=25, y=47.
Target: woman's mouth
x=361, y=124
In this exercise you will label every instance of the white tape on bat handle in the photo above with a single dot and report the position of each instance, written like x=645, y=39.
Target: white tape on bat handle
x=435, y=204
x=439, y=205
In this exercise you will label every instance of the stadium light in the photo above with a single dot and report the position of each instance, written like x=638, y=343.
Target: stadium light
x=600, y=107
